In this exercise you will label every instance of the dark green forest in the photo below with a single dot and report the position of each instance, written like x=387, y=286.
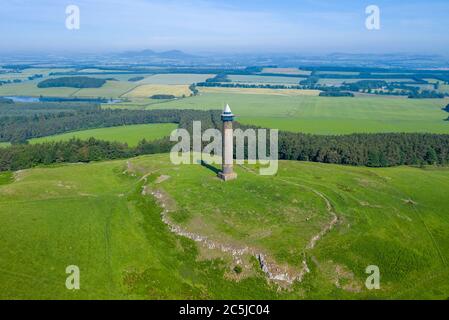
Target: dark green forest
x=163, y=96
x=24, y=156
x=72, y=82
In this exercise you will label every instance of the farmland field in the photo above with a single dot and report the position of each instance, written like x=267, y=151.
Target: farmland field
x=148, y=90
x=178, y=78
x=95, y=216
x=30, y=72
x=254, y=79
x=111, y=89
x=339, y=82
x=294, y=71
x=125, y=134
x=347, y=73
x=259, y=91
x=322, y=115
x=117, y=76
x=30, y=88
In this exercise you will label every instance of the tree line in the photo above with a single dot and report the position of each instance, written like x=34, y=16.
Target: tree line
x=19, y=157
x=248, y=85
x=373, y=150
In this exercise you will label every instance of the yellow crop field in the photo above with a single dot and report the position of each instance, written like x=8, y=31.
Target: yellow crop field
x=280, y=92
x=148, y=90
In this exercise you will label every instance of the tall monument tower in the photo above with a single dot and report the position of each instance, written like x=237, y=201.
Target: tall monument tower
x=227, y=172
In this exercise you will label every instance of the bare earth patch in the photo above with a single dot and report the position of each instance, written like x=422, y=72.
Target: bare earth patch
x=162, y=178
x=410, y=201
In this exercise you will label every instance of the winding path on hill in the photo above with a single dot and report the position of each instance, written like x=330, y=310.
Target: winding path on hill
x=327, y=227
x=272, y=270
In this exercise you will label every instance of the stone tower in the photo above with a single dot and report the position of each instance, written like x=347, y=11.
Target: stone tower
x=227, y=172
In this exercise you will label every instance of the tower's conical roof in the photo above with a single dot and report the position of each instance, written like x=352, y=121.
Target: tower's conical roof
x=227, y=114
x=227, y=109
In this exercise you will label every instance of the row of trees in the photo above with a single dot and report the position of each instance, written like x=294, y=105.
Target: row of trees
x=373, y=150
x=248, y=85
x=27, y=156
x=427, y=94
x=5, y=101
x=162, y=96
x=135, y=79
x=336, y=93
x=2, y=82
x=221, y=77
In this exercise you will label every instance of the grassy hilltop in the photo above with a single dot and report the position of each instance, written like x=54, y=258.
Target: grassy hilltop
x=97, y=216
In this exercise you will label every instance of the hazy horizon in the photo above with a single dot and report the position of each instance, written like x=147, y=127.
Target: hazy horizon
x=197, y=26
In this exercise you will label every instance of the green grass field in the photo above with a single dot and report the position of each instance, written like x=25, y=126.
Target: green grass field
x=30, y=72
x=149, y=90
x=111, y=89
x=125, y=134
x=180, y=78
x=265, y=79
x=323, y=115
x=95, y=216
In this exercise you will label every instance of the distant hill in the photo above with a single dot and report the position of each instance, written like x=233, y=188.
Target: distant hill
x=142, y=53
x=150, y=54
x=175, y=54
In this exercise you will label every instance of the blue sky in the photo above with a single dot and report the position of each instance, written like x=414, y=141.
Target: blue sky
x=305, y=26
